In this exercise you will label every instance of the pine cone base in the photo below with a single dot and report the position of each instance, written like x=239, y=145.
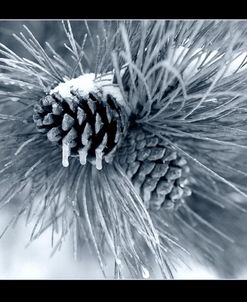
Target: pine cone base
x=159, y=174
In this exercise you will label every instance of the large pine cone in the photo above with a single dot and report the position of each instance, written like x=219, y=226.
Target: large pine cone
x=158, y=173
x=90, y=128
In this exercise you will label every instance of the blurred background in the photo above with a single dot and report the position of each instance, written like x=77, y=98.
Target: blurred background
x=19, y=261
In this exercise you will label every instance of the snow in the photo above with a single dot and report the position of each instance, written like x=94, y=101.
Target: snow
x=114, y=91
x=84, y=83
x=192, y=68
x=87, y=83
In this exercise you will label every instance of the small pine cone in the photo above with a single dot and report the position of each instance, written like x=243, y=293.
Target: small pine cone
x=89, y=127
x=157, y=172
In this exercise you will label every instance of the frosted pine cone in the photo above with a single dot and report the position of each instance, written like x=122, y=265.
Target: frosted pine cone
x=89, y=125
x=158, y=173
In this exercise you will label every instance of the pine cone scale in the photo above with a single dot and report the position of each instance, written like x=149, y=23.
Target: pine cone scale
x=157, y=172
x=90, y=125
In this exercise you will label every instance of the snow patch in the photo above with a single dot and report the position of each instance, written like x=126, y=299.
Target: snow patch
x=113, y=91
x=205, y=57
x=87, y=83
x=84, y=84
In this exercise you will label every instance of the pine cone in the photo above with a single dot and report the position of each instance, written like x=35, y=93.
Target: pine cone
x=90, y=128
x=157, y=172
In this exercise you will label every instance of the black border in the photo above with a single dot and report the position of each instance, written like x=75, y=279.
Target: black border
x=118, y=290
x=121, y=9
x=88, y=290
